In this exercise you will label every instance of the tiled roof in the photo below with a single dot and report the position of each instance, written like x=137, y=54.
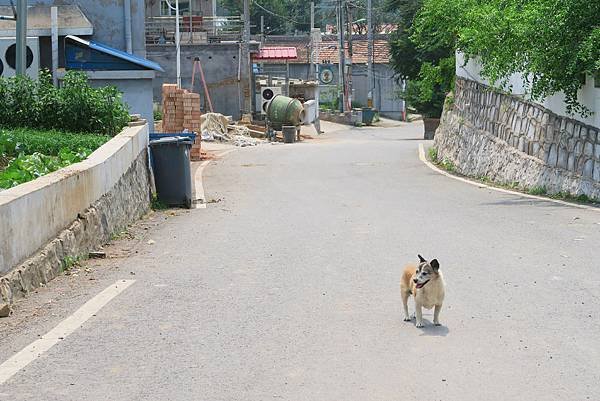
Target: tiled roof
x=277, y=53
x=328, y=51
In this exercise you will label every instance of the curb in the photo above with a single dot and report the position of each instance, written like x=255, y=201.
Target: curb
x=506, y=191
x=199, y=201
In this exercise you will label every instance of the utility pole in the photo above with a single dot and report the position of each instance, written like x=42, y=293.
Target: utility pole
x=311, y=71
x=21, y=61
x=246, y=56
x=349, y=70
x=177, y=43
x=369, y=55
x=341, y=63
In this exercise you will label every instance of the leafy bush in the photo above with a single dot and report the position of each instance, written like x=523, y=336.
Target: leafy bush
x=28, y=141
x=75, y=106
x=25, y=168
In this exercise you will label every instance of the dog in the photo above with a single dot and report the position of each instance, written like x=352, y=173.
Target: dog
x=426, y=283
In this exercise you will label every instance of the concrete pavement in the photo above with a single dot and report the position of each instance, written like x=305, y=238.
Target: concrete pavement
x=287, y=287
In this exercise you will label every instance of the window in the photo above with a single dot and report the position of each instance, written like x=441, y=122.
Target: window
x=165, y=10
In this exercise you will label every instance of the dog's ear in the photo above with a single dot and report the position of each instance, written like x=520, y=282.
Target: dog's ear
x=435, y=265
x=421, y=259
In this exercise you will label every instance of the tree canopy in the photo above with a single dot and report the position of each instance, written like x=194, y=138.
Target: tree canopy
x=428, y=67
x=554, y=44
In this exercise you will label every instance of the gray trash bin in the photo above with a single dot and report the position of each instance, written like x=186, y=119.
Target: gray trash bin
x=289, y=133
x=171, y=166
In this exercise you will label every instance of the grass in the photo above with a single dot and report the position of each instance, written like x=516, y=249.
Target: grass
x=157, y=204
x=49, y=143
x=537, y=191
x=70, y=262
x=448, y=166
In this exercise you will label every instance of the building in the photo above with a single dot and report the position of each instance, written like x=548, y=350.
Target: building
x=119, y=25
x=386, y=90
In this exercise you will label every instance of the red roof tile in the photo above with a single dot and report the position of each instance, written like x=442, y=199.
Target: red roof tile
x=277, y=53
x=328, y=52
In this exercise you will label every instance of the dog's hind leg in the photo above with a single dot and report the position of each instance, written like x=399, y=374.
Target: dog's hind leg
x=436, y=315
x=405, y=296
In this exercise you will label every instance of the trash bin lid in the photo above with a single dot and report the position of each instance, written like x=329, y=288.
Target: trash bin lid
x=174, y=140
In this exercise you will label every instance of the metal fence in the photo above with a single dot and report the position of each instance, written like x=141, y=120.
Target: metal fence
x=193, y=29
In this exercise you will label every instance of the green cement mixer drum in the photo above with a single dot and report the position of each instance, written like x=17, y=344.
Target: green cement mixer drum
x=283, y=110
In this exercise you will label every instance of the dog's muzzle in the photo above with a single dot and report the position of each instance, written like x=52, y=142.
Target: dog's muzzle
x=421, y=285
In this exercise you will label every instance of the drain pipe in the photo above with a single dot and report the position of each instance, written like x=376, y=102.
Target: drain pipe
x=127, y=13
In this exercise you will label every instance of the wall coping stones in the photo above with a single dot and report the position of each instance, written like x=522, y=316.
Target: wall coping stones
x=33, y=214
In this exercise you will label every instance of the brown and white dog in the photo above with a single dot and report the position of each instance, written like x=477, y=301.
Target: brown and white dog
x=426, y=283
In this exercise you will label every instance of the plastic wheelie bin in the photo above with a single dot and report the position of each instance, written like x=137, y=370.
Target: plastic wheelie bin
x=171, y=166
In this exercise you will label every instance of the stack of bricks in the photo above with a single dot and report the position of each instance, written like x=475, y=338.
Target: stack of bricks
x=191, y=121
x=181, y=111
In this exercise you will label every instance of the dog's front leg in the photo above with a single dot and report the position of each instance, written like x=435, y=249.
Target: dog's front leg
x=419, y=312
x=436, y=315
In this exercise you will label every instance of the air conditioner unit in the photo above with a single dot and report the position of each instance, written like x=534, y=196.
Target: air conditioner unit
x=8, y=57
x=267, y=93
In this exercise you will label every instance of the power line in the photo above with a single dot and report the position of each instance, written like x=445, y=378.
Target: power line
x=278, y=15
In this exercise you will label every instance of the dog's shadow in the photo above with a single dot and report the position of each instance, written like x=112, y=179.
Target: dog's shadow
x=430, y=330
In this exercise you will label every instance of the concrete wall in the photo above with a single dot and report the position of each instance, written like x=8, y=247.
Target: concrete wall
x=588, y=95
x=35, y=213
x=512, y=141
x=220, y=65
x=107, y=17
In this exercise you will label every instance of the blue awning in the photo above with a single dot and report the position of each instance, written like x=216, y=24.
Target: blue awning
x=82, y=54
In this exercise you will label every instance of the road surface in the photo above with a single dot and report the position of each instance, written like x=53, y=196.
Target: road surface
x=286, y=287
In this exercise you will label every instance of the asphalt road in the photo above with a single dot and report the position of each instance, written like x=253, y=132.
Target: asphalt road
x=287, y=287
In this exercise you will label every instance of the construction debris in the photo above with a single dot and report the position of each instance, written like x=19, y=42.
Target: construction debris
x=216, y=127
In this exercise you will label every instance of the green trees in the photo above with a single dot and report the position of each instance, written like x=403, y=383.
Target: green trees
x=425, y=62
x=553, y=44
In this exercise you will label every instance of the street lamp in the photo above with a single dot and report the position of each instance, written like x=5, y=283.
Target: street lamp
x=177, y=47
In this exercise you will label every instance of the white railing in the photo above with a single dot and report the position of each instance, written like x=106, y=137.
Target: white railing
x=193, y=30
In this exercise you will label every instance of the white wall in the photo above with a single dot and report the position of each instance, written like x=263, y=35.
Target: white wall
x=588, y=94
x=33, y=213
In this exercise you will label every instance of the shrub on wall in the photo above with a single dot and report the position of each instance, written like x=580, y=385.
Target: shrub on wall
x=75, y=106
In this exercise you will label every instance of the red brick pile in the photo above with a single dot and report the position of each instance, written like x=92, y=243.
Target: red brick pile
x=181, y=110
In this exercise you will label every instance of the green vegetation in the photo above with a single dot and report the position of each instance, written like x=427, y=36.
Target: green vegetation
x=426, y=64
x=553, y=44
x=51, y=142
x=157, y=115
x=75, y=106
x=25, y=168
x=433, y=155
x=26, y=154
x=157, y=204
x=71, y=261
x=44, y=128
x=537, y=191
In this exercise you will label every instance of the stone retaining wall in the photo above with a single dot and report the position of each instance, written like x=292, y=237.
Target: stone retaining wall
x=509, y=140
x=71, y=212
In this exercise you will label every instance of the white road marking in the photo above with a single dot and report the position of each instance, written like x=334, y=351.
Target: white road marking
x=506, y=191
x=199, y=196
x=34, y=350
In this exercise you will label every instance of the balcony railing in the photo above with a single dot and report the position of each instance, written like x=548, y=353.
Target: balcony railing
x=193, y=30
